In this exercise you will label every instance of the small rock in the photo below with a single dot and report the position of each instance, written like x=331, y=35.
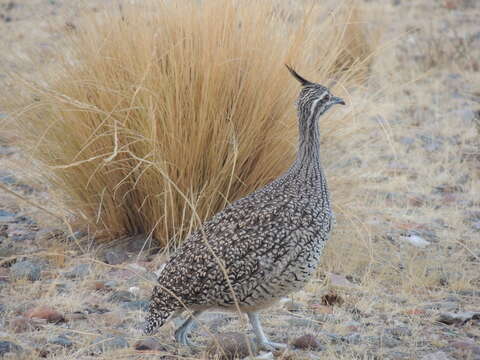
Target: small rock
x=292, y=306
x=231, y=346
x=112, y=342
x=400, y=331
x=467, y=347
x=150, y=343
x=307, y=342
x=78, y=272
x=111, y=284
x=439, y=355
x=417, y=241
x=352, y=325
x=25, y=270
x=136, y=305
x=6, y=214
x=115, y=257
x=458, y=318
x=121, y=296
x=353, y=339
x=21, y=324
x=77, y=235
x=384, y=341
x=45, y=312
x=9, y=347
x=61, y=340
x=303, y=323
x=341, y=281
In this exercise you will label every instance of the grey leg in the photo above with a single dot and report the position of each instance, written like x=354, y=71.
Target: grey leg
x=181, y=334
x=262, y=340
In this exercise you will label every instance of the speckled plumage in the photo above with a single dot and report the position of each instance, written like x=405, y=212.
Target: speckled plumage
x=269, y=242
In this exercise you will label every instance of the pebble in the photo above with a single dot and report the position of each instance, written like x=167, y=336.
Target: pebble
x=229, y=346
x=341, y=281
x=45, y=312
x=467, y=347
x=384, y=341
x=150, y=343
x=25, y=270
x=400, y=331
x=77, y=235
x=78, y=272
x=458, y=318
x=115, y=257
x=304, y=323
x=6, y=214
x=292, y=306
x=61, y=340
x=439, y=355
x=136, y=305
x=9, y=347
x=121, y=296
x=416, y=241
x=112, y=342
x=21, y=324
x=307, y=342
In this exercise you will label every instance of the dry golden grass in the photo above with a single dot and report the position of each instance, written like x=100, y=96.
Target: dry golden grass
x=160, y=111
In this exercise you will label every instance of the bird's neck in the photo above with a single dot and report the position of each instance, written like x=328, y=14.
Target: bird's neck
x=308, y=156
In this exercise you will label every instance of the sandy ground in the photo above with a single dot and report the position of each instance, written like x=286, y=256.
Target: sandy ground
x=420, y=298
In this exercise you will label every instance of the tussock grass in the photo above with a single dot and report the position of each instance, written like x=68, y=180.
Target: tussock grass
x=162, y=110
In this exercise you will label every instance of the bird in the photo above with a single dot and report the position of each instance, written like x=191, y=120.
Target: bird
x=259, y=248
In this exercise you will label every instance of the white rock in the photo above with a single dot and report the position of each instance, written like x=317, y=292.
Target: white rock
x=417, y=241
x=135, y=290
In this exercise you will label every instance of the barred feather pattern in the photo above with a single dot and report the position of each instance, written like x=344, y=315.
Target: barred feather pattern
x=269, y=243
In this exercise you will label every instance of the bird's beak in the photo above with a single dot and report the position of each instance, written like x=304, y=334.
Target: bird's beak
x=336, y=100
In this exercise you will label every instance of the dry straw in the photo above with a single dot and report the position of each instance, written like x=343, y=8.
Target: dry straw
x=164, y=109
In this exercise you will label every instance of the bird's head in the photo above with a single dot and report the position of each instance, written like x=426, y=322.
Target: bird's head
x=314, y=99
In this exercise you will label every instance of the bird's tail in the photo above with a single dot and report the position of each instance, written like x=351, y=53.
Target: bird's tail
x=156, y=317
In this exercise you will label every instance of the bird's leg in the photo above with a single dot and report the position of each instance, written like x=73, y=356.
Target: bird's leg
x=181, y=334
x=262, y=339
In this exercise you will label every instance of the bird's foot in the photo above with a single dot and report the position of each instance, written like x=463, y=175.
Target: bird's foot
x=181, y=336
x=268, y=345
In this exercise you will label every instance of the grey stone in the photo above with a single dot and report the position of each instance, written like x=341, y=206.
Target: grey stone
x=4, y=213
x=115, y=257
x=406, y=140
x=121, y=296
x=458, y=318
x=77, y=235
x=384, y=341
x=136, y=305
x=78, y=272
x=25, y=270
x=7, y=179
x=111, y=284
x=6, y=150
x=439, y=355
x=354, y=339
x=400, y=331
x=9, y=347
x=304, y=323
x=151, y=343
x=111, y=342
x=61, y=340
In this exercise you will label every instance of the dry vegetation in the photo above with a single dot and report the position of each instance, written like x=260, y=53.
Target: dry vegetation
x=171, y=109
x=139, y=132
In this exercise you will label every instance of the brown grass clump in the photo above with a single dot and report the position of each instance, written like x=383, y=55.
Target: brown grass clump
x=163, y=110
